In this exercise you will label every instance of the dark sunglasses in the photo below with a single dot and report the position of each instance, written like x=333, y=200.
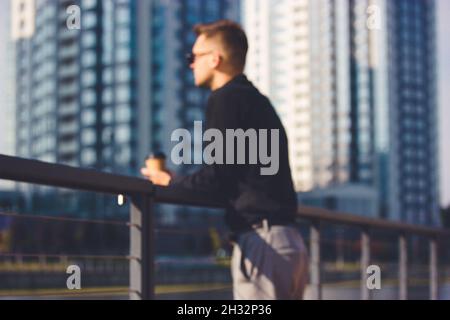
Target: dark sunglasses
x=190, y=57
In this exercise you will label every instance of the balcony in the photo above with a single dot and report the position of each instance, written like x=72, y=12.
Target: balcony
x=69, y=71
x=69, y=128
x=71, y=51
x=316, y=223
x=68, y=109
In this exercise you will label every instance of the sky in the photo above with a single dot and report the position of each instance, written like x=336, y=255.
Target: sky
x=443, y=25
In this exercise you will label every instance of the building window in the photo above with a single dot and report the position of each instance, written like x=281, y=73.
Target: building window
x=123, y=113
x=123, y=36
x=88, y=39
x=88, y=58
x=88, y=137
x=122, y=55
x=89, y=4
x=88, y=78
x=123, y=15
x=108, y=135
x=88, y=97
x=89, y=20
x=107, y=115
x=107, y=95
x=88, y=157
x=107, y=76
x=123, y=134
x=123, y=73
x=123, y=155
x=88, y=117
x=123, y=93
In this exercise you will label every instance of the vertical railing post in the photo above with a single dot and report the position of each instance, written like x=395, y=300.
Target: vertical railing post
x=365, y=262
x=403, y=267
x=433, y=269
x=315, y=264
x=142, y=249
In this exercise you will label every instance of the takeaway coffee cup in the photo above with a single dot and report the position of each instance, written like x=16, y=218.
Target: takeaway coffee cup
x=156, y=162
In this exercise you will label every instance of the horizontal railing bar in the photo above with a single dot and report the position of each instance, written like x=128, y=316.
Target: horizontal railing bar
x=57, y=175
x=190, y=230
x=64, y=256
x=180, y=196
x=32, y=171
x=60, y=293
x=63, y=219
x=158, y=260
x=331, y=216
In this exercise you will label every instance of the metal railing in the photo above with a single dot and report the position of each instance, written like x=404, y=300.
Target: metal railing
x=144, y=195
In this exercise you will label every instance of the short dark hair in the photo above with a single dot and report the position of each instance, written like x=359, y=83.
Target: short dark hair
x=232, y=36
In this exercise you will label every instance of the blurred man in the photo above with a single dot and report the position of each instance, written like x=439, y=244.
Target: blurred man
x=269, y=257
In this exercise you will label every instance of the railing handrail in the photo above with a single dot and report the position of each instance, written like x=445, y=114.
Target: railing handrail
x=337, y=217
x=57, y=175
x=142, y=227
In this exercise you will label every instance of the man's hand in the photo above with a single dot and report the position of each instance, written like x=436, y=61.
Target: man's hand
x=160, y=178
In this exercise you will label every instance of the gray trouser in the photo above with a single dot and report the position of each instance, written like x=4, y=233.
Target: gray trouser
x=269, y=263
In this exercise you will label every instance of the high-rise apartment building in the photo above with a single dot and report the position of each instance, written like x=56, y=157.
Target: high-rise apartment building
x=101, y=83
x=354, y=82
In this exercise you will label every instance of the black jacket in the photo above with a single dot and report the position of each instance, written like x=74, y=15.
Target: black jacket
x=250, y=196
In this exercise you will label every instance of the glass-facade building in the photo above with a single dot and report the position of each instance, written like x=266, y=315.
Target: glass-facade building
x=176, y=102
x=75, y=100
x=414, y=167
x=354, y=82
x=313, y=64
x=7, y=87
x=105, y=94
x=76, y=87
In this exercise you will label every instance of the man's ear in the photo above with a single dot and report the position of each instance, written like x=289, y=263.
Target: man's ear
x=215, y=60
